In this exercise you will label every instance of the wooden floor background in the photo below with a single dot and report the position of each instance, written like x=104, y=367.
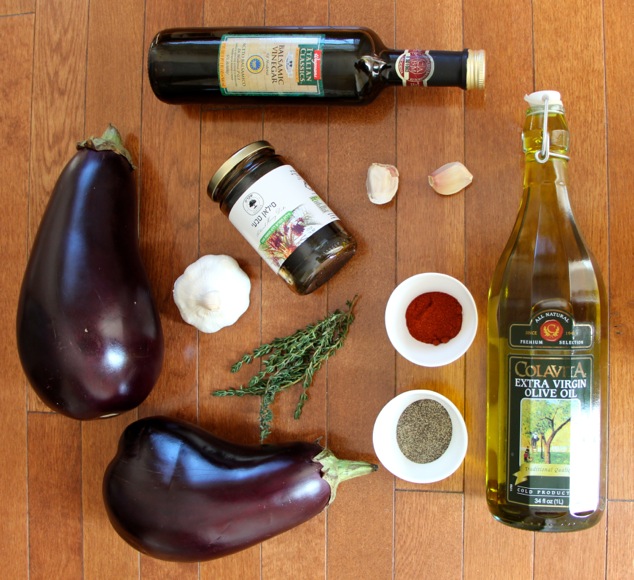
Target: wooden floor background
x=71, y=66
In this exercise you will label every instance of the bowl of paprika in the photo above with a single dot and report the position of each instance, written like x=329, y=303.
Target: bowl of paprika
x=431, y=319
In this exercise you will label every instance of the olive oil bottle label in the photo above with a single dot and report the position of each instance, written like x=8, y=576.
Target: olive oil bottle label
x=276, y=65
x=278, y=213
x=552, y=415
x=551, y=329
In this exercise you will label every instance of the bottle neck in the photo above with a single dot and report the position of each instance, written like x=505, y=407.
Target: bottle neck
x=429, y=68
x=546, y=159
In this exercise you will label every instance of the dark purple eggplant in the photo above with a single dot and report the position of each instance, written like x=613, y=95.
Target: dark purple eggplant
x=88, y=332
x=176, y=492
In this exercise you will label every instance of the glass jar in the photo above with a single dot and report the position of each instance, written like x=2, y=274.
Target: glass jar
x=282, y=217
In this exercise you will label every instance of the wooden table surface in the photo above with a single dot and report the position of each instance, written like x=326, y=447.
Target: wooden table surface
x=71, y=66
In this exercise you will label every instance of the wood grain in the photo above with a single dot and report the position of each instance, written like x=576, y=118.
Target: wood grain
x=618, y=33
x=170, y=177
x=360, y=545
x=620, y=553
x=71, y=66
x=113, y=95
x=493, y=123
x=428, y=535
x=57, y=122
x=55, y=506
x=14, y=7
x=15, y=137
x=430, y=134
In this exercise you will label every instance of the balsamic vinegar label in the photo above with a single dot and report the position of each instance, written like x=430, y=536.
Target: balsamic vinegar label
x=551, y=414
x=282, y=65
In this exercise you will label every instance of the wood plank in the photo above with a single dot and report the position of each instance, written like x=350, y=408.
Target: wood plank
x=493, y=124
x=223, y=133
x=170, y=177
x=103, y=549
x=620, y=553
x=583, y=97
x=439, y=115
x=556, y=554
x=234, y=419
x=9, y=7
x=59, y=79
x=113, y=95
x=428, y=535
x=301, y=137
x=55, y=510
x=284, y=312
x=15, y=140
x=361, y=375
x=618, y=34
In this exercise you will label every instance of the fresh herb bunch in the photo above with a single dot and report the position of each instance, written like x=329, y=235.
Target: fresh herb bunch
x=291, y=360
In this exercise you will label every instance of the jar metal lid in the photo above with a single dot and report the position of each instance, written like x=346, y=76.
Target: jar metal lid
x=238, y=157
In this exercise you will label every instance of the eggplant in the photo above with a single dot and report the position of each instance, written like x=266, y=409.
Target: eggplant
x=176, y=492
x=88, y=332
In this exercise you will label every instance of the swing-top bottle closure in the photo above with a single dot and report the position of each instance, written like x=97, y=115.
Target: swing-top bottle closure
x=540, y=102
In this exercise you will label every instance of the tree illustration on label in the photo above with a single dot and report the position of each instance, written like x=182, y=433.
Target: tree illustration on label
x=548, y=421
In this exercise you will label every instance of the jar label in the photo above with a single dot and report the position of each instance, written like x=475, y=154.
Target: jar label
x=278, y=213
x=553, y=424
x=415, y=67
x=277, y=65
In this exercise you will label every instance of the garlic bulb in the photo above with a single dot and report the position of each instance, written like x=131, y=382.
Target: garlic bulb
x=450, y=178
x=381, y=183
x=212, y=293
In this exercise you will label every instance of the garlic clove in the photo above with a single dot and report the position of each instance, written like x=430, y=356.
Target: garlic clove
x=381, y=183
x=450, y=178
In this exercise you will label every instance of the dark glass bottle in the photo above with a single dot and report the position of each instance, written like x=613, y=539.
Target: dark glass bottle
x=281, y=216
x=296, y=65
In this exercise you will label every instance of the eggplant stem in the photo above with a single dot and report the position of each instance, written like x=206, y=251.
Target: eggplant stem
x=110, y=141
x=335, y=470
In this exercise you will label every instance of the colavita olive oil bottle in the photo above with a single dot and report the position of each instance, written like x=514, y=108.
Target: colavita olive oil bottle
x=547, y=350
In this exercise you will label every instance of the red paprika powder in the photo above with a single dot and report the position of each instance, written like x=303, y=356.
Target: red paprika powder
x=434, y=317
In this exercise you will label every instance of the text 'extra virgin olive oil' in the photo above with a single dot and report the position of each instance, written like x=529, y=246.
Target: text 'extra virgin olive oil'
x=295, y=65
x=547, y=350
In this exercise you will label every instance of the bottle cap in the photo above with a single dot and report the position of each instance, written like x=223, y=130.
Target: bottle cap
x=230, y=163
x=537, y=99
x=476, y=69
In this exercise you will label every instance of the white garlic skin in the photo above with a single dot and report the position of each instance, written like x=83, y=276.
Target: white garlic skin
x=450, y=178
x=381, y=183
x=212, y=293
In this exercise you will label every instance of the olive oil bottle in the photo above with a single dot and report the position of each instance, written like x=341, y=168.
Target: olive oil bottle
x=547, y=350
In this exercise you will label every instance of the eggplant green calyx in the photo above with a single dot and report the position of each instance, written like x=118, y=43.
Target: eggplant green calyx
x=109, y=141
x=335, y=470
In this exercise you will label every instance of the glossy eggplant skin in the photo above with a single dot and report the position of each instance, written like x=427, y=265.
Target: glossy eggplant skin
x=176, y=492
x=88, y=332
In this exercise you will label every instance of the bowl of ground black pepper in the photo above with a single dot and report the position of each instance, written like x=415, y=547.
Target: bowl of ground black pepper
x=420, y=436
x=431, y=319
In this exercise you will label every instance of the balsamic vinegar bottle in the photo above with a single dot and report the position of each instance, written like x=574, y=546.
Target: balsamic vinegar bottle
x=296, y=65
x=547, y=350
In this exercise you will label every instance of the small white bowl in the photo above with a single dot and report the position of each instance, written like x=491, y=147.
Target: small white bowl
x=390, y=455
x=420, y=353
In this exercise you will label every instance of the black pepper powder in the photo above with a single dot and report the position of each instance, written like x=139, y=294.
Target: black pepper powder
x=423, y=431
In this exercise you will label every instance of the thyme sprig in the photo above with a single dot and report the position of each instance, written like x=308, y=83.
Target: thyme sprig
x=290, y=360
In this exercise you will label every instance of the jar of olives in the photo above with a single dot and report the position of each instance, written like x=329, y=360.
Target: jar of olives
x=281, y=216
